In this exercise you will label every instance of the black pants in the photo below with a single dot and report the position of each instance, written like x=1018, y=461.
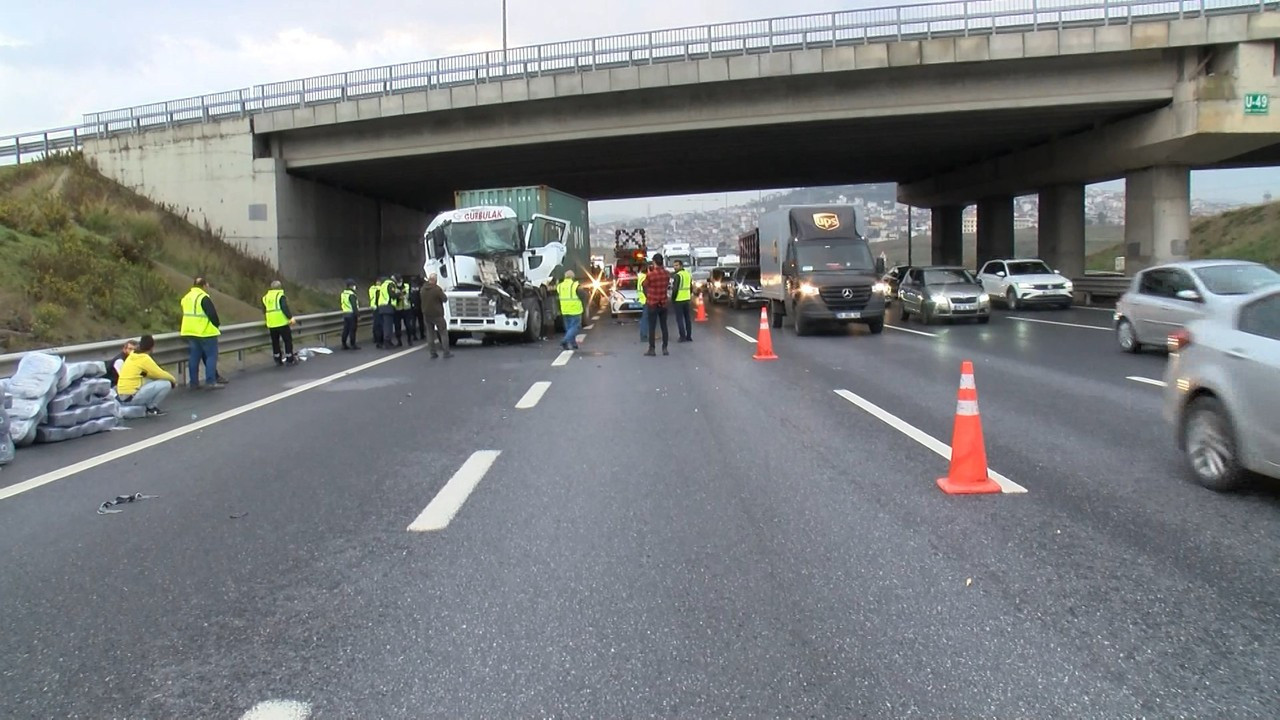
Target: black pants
x=350, y=323
x=376, y=323
x=684, y=322
x=657, y=316
x=416, y=317
x=403, y=327
x=387, y=316
x=284, y=333
x=437, y=334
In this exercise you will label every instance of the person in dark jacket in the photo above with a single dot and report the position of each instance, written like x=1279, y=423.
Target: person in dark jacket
x=417, y=322
x=349, y=302
x=433, y=301
x=117, y=362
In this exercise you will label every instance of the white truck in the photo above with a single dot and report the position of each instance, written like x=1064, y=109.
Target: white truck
x=671, y=252
x=499, y=273
x=705, y=260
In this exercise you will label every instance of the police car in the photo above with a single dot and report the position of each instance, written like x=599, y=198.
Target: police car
x=622, y=299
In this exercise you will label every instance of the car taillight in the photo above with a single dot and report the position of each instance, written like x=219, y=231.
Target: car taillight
x=1178, y=340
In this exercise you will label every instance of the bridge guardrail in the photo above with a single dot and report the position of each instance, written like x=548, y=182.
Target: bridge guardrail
x=171, y=348
x=1107, y=286
x=796, y=32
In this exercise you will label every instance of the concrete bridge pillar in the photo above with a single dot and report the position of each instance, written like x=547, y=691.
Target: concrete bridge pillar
x=1157, y=216
x=995, y=228
x=948, y=235
x=1062, y=228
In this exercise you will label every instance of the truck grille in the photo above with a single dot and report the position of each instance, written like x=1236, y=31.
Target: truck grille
x=1055, y=286
x=470, y=307
x=965, y=300
x=834, y=297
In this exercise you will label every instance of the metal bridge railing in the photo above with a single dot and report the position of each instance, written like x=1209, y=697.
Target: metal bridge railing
x=171, y=349
x=798, y=32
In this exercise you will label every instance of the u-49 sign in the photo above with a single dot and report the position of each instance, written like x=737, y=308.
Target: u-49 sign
x=1256, y=103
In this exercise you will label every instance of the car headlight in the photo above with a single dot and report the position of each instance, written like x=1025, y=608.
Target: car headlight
x=1069, y=285
x=808, y=289
x=940, y=300
x=984, y=299
x=1026, y=286
x=880, y=288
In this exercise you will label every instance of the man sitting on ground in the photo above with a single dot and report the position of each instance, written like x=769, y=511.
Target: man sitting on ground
x=142, y=381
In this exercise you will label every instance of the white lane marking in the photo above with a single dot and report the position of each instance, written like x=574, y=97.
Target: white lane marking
x=909, y=330
x=741, y=334
x=588, y=327
x=563, y=358
x=580, y=338
x=447, y=502
x=141, y=445
x=278, y=710
x=1148, y=381
x=534, y=394
x=1055, y=322
x=1086, y=307
x=925, y=439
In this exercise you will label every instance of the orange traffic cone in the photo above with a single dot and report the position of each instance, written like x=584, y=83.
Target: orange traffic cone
x=764, y=341
x=702, y=311
x=968, y=472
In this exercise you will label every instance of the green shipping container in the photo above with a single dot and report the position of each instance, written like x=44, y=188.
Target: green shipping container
x=542, y=200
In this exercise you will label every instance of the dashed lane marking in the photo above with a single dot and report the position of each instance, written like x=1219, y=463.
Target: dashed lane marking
x=278, y=710
x=1055, y=322
x=439, y=513
x=1146, y=380
x=909, y=330
x=741, y=334
x=533, y=395
x=922, y=437
x=562, y=359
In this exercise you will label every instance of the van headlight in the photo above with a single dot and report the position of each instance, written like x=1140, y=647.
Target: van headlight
x=808, y=289
x=880, y=288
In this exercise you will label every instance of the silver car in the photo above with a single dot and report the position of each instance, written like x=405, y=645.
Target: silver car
x=940, y=291
x=1222, y=390
x=1166, y=297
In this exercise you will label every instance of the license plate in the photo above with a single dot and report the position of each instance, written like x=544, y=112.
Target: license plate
x=963, y=307
x=848, y=315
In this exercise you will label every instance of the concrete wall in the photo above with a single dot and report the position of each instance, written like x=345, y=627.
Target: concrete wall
x=308, y=230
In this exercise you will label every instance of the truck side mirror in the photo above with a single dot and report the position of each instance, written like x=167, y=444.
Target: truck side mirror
x=437, y=242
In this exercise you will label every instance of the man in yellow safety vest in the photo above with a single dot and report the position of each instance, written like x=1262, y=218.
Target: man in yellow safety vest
x=644, y=307
x=200, y=327
x=683, y=293
x=279, y=323
x=375, y=300
x=570, y=309
x=350, y=305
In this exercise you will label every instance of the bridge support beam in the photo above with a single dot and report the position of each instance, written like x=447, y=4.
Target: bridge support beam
x=1157, y=216
x=948, y=235
x=995, y=228
x=1062, y=228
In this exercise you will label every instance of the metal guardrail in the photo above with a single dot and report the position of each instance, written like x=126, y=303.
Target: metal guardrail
x=780, y=34
x=1093, y=287
x=171, y=348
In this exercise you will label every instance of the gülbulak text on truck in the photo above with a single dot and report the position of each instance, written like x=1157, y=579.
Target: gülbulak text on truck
x=815, y=268
x=498, y=263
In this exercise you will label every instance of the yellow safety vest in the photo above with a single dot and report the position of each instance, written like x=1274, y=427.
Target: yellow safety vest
x=348, y=300
x=404, y=296
x=194, y=321
x=373, y=295
x=686, y=286
x=640, y=288
x=386, y=293
x=570, y=303
x=275, y=316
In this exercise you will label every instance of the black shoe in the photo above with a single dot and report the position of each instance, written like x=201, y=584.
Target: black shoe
x=155, y=412
x=223, y=381
x=355, y=347
x=215, y=386
x=664, y=351
x=434, y=356
x=650, y=353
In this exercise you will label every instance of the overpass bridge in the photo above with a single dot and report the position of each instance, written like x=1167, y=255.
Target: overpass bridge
x=959, y=103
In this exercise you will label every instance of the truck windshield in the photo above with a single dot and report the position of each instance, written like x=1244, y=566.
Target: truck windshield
x=685, y=259
x=833, y=255
x=707, y=262
x=491, y=237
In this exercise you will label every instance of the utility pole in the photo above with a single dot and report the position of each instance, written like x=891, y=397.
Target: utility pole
x=504, y=31
x=910, y=233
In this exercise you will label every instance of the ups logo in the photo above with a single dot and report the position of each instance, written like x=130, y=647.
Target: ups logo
x=826, y=221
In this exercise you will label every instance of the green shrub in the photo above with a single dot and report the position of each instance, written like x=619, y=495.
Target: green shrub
x=35, y=214
x=48, y=319
x=97, y=216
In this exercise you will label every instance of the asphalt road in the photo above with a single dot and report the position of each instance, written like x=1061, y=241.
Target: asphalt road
x=699, y=535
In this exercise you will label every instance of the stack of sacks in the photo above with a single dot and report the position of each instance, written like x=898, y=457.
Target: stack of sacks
x=6, y=442
x=32, y=387
x=83, y=406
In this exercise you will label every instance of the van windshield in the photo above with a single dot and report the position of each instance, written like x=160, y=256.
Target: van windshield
x=816, y=256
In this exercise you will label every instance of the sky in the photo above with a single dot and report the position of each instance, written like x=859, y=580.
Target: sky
x=60, y=59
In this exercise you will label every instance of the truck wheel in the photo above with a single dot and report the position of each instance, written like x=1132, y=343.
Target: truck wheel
x=775, y=314
x=533, y=326
x=453, y=340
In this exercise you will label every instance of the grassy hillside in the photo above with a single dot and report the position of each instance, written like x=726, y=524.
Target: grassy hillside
x=1251, y=233
x=84, y=259
x=1097, y=238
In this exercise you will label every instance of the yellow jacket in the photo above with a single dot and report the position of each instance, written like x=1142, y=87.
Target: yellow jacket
x=137, y=369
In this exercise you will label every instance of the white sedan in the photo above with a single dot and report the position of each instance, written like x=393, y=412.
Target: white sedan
x=622, y=300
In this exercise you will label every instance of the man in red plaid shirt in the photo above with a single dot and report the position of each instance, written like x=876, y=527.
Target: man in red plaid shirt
x=657, y=291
